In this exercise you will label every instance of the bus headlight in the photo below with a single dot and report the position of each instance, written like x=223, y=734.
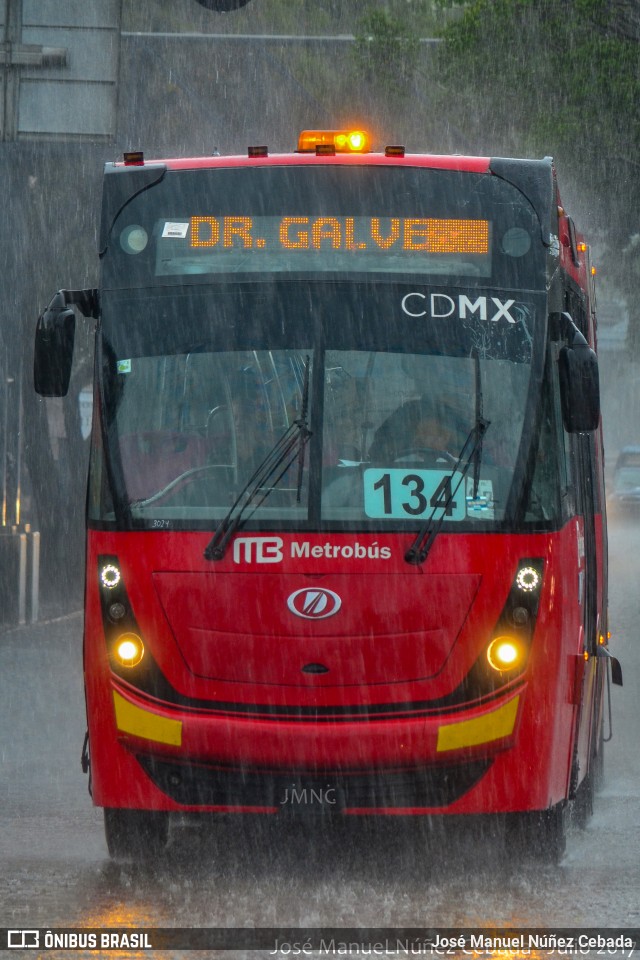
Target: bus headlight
x=128, y=649
x=528, y=579
x=110, y=576
x=506, y=653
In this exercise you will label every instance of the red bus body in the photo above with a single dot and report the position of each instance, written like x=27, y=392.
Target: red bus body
x=529, y=731
x=320, y=661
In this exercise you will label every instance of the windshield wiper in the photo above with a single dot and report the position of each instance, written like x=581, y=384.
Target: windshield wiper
x=476, y=454
x=304, y=434
x=425, y=538
x=266, y=476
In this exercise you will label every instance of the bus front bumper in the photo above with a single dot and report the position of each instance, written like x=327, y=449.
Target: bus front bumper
x=196, y=761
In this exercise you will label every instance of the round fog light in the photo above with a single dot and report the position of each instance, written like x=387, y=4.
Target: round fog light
x=129, y=649
x=505, y=653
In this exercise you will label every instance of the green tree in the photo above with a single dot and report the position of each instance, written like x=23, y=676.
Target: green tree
x=386, y=53
x=560, y=77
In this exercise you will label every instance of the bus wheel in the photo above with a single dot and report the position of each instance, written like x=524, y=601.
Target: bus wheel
x=539, y=834
x=135, y=834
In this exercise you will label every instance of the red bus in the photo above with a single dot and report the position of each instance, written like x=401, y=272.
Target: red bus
x=346, y=545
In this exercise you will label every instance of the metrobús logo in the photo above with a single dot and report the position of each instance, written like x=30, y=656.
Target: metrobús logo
x=314, y=603
x=272, y=550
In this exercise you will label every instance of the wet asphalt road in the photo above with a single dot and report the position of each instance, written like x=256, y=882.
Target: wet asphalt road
x=55, y=871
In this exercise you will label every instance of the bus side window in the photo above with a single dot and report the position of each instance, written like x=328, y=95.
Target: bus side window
x=549, y=476
x=565, y=472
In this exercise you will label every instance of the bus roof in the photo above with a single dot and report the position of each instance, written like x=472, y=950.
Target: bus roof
x=438, y=161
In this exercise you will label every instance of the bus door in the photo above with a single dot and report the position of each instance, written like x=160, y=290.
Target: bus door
x=588, y=495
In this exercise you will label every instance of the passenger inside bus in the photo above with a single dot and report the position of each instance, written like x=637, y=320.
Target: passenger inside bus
x=422, y=433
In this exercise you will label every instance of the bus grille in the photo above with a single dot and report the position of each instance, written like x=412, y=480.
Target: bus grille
x=204, y=786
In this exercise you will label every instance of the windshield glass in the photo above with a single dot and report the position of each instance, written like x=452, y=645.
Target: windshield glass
x=198, y=389
x=195, y=224
x=395, y=425
x=193, y=427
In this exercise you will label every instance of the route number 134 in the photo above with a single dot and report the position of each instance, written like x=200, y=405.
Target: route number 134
x=404, y=494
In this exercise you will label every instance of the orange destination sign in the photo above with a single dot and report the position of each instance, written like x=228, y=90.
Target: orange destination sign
x=372, y=234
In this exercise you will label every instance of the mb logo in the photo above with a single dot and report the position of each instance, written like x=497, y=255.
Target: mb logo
x=23, y=939
x=257, y=549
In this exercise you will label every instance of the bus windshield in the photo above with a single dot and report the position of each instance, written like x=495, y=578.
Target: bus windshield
x=200, y=384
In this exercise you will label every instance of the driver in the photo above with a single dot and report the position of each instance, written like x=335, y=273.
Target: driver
x=420, y=427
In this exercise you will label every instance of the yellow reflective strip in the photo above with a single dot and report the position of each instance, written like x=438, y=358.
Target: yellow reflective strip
x=148, y=726
x=469, y=733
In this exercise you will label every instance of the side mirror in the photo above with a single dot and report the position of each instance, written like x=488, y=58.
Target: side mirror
x=579, y=381
x=53, y=351
x=616, y=669
x=616, y=672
